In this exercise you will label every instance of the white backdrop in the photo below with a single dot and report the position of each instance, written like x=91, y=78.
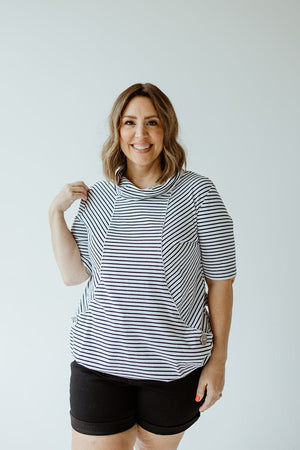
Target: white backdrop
x=231, y=70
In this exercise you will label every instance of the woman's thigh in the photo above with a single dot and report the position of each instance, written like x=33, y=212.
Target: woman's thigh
x=151, y=441
x=118, y=441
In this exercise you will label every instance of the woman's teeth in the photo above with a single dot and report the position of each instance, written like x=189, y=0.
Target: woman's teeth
x=139, y=147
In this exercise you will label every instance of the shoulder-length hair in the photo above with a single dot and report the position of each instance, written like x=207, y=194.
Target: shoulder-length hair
x=114, y=162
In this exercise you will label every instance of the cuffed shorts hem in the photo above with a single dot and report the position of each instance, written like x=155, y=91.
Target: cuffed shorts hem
x=97, y=429
x=103, y=428
x=157, y=429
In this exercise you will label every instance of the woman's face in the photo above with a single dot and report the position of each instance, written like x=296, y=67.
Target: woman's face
x=142, y=128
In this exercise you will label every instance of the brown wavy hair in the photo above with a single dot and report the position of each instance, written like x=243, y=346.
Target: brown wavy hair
x=114, y=162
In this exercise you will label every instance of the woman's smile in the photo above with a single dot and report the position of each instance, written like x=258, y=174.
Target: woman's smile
x=140, y=148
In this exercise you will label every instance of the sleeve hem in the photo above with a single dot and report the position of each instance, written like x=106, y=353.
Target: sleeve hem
x=220, y=278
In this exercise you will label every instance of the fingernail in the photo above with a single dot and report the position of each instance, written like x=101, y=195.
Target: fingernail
x=197, y=398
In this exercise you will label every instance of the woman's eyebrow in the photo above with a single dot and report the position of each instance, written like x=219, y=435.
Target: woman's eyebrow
x=146, y=117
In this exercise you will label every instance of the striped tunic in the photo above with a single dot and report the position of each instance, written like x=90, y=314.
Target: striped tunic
x=144, y=310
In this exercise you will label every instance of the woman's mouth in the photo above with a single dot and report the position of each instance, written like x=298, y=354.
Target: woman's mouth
x=141, y=148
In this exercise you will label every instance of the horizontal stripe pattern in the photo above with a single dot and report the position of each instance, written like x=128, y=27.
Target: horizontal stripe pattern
x=143, y=313
x=216, y=236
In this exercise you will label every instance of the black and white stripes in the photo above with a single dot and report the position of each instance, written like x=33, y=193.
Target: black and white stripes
x=143, y=312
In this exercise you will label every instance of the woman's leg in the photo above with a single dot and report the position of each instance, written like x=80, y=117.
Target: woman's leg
x=150, y=441
x=118, y=441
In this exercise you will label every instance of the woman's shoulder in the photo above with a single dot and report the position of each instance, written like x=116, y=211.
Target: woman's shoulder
x=102, y=186
x=101, y=194
x=197, y=180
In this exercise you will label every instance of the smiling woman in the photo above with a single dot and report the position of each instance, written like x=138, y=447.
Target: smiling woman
x=142, y=115
x=150, y=336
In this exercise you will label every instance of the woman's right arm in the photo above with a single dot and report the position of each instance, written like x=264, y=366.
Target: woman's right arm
x=65, y=248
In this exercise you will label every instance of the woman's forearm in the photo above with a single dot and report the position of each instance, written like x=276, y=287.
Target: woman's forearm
x=66, y=251
x=220, y=301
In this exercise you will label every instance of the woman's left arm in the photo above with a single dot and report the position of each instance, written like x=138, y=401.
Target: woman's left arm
x=212, y=378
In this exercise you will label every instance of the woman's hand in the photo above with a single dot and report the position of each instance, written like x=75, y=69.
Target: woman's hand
x=212, y=379
x=69, y=193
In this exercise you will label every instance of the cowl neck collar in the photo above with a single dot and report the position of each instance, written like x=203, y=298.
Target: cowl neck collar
x=129, y=190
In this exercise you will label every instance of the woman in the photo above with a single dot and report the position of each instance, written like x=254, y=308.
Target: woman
x=156, y=244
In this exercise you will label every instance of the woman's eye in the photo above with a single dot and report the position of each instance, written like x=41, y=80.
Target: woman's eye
x=151, y=121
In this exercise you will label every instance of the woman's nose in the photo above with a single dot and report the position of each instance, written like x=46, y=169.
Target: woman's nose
x=140, y=131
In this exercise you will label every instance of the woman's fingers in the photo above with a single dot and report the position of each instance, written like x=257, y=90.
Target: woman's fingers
x=210, y=399
x=213, y=377
x=79, y=183
x=77, y=190
x=68, y=194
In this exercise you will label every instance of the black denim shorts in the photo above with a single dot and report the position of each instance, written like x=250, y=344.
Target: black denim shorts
x=102, y=404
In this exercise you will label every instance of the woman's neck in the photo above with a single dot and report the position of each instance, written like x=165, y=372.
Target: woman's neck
x=142, y=178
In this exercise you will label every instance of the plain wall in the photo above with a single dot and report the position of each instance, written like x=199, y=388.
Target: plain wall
x=231, y=71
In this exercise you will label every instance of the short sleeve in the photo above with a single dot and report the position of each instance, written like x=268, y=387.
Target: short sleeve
x=216, y=237
x=80, y=233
